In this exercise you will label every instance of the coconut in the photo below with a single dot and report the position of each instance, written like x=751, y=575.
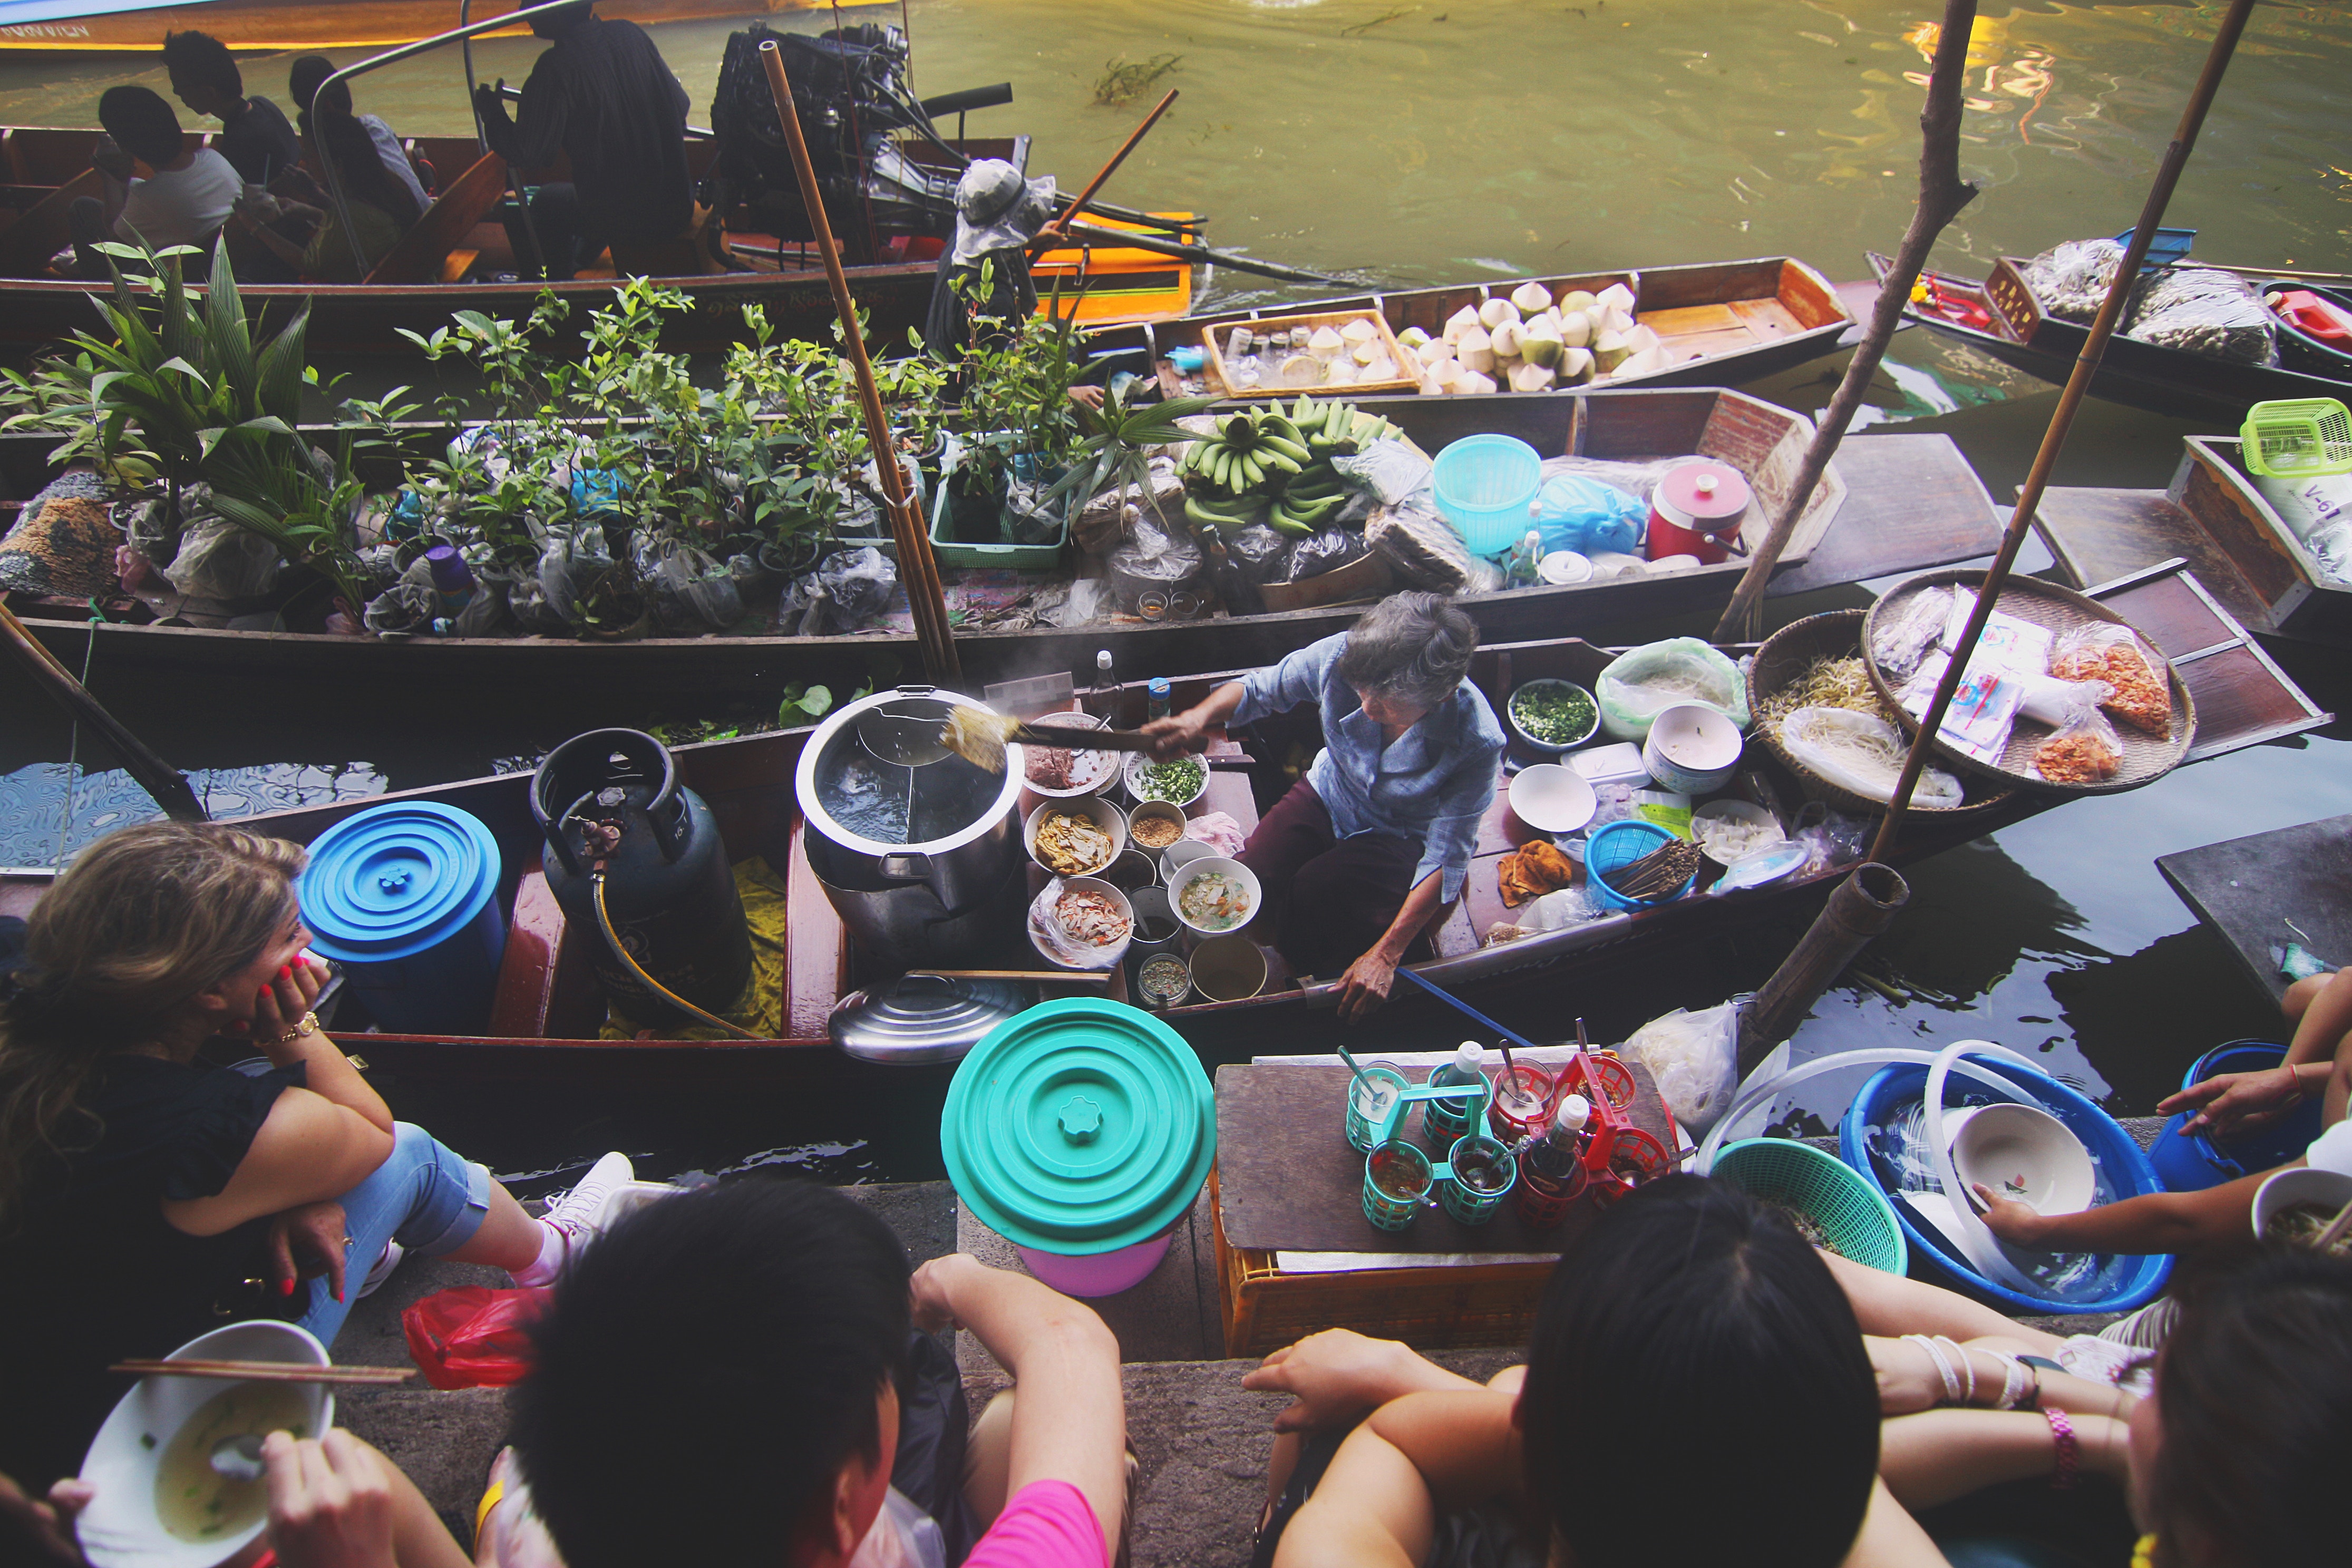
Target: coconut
x=1618, y=321
x=1542, y=348
x=1343, y=372
x=1359, y=331
x=1365, y=353
x=1472, y=382
x=1575, y=365
x=1462, y=321
x=1576, y=329
x=1610, y=351
x=1506, y=340
x=1576, y=300
x=1530, y=297
x=1326, y=344
x=1494, y=312
x=1477, y=349
x=1413, y=338
x=1383, y=369
x=1302, y=371
x=1531, y=378
x=1616, y=297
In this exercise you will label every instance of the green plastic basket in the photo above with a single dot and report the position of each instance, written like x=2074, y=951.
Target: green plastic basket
x=1856, y=1220
x=2303, y=438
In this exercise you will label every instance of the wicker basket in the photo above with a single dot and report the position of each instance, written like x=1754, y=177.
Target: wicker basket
x=2146, y=759
x=1784, y=657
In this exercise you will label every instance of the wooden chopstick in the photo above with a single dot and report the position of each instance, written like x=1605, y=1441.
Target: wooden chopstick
x=2335, y=1229
x=266, y=1371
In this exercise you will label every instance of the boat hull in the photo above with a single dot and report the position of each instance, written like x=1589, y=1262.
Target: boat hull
x=287, y=25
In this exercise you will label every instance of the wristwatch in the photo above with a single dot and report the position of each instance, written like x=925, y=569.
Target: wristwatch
x=306, y=1024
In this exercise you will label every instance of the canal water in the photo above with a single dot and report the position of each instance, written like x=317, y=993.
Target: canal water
x=1408, y=145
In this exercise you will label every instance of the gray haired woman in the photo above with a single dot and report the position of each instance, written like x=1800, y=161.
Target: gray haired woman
x=1369, y=850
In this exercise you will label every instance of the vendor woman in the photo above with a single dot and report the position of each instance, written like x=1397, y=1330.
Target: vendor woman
x=1370, y=849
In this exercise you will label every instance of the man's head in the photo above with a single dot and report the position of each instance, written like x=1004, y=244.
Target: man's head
x=142, y=124
x=203, y=74
x=570, y=17
x=305, y=77
x=997, y=208
x=716, y=1383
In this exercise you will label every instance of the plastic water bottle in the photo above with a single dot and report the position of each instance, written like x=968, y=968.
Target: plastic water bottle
x=1551, y=1174
x=1156, y=697
x=1443, y=1121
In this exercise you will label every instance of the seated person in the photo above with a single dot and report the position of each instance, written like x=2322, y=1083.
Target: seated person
x=381, y=207
x=763, y=1327
x=145, y=1197
x=304, y=81
x=255, y=138
x=1365, y=853
x=1695, y=1392
x=182, y=198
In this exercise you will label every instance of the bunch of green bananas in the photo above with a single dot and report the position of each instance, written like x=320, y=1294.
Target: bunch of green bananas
x=1266, y=466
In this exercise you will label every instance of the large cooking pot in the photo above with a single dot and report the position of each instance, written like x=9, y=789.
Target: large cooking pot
x=919, y=849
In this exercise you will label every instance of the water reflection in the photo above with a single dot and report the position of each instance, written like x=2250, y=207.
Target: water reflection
x=42, y=823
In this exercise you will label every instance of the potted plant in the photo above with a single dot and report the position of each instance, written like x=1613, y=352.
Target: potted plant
x=1016, y=410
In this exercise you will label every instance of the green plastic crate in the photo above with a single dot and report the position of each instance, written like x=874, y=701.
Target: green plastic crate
x=951, y=551
x=1858, y=1221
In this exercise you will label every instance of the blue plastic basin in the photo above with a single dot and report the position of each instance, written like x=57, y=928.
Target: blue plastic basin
x=2192, y=1162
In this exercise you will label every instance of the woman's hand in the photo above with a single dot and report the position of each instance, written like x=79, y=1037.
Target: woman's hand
x=929, y=1290
x=1178, y=734
x=330, y=1503
x=284, y=1001
x=1336, y=1376
x=2019, y=1224
x=2235, y=1101
x=1365, y=985
x=309, y=1241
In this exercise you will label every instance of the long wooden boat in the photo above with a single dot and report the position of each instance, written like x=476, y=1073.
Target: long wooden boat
x=1894, y=503
x=2213, y=516
x=547, y=1012
x=137, y=27
x=2263, y=891
x=1998, y=315
x=456, y=254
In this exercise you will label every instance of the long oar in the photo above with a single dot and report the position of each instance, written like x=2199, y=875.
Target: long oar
x=154, y=775
x=1183, y=251
x=916, y=565
x=2062, y=419
x=1051, y=234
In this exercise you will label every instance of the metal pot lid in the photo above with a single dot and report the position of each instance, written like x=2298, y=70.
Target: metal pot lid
x=1081, y=1126
x=974, y=804
x=919, y=1019
x=395, y=880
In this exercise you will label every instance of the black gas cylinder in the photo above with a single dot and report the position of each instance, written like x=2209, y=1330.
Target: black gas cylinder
x=609, y=802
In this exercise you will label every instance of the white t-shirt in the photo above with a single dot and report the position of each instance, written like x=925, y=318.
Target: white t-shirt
x=2332, y=1150
x=182, y=207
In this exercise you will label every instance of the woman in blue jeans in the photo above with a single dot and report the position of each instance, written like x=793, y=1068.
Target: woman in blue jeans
x=146, y=1196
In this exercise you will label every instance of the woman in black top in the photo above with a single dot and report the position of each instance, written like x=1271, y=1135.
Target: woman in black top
x=145, y=1196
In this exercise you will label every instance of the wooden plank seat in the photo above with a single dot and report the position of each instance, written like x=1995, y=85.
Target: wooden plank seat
x=446, y=224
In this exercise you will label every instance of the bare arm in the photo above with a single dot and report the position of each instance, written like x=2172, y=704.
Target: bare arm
x=1338, y=1373
x=330, y=1075
x=1891, y=1537
x=2215, y=1219
x=1931, y=1458
x=1366, y=984
x=1188, y=731
x=1069, y=1422
x=1378, y=1503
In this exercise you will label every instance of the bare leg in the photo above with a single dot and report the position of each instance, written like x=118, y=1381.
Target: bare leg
x=508, y=1238
x=1893, y=1306
x=987, y=1460
x=1510, y=1380
x=1938, y=1455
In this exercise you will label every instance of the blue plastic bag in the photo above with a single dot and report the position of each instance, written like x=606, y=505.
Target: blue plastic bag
x=1575, y=512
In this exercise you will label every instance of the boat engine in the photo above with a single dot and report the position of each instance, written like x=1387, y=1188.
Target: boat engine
x=636, y=861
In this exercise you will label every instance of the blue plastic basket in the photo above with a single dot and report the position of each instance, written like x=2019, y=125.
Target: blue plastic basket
x=1485, y=484
x=1614, y=847
x=2193, y=1162
x=2112, y=1147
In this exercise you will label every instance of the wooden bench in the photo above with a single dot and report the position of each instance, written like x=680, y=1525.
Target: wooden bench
x=470, y=198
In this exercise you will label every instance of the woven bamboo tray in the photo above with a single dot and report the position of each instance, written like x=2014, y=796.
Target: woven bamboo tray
x=1783, y=658
x=2146, y=759
x=1406, y=380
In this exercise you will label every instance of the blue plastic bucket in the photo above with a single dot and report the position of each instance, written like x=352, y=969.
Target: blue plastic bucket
x=405, y=897
x=2192, y=1162
x=1485, y=486
x=1615, y=846
x=2116, y=1151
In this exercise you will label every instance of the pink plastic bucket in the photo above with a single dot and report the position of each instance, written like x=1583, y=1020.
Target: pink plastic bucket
x=1102, y=1273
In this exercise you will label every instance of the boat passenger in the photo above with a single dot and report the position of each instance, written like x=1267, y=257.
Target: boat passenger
x=145, y=1192
x=604, y=96
x=764, y=1327
x=304, y=81
x=998, y=212
x=255, y=137
x=382, y=207
x=1695, y=1392
x=1370, y=849
x=182, y=198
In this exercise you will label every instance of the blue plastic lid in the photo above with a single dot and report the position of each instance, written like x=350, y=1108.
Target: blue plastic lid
x=396, y=880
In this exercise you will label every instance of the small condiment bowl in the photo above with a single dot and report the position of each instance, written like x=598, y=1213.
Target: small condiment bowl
x=1104, y=814
x=1692, y=748
x=1551, y=799
x=1155, y=810
x=1194, y=872
x=1136, y=762
x=1511, y=714
x=2330, y=1190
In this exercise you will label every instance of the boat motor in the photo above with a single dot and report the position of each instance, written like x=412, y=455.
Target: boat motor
x=635, y=860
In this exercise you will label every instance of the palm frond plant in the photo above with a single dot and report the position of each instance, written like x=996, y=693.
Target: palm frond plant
x=1118, y=454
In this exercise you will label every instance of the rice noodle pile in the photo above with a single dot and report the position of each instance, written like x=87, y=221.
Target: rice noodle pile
x=1826, y=682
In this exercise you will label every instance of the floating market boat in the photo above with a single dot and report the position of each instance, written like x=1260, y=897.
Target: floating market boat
x=544, y=1021
x=1890, y=503
x=137, y=27
x=2215, y=516
x=2266, y=892
x=2001, y=315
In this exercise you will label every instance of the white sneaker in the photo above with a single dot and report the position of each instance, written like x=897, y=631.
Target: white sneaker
x=583, y=1213
x=381, y=1271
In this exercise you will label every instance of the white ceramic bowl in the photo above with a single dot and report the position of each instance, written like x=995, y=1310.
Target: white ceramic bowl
x=1104, y=958
x=2024, y=1153
x=1692, y=748
x=1100, y=769
x=1551, y=799
x=1136, y=762
x=120, y=1528
x=1194, y=871
x=1747, y=813
x=2329, y=1190
x=1180, y=854
x=1105, y=815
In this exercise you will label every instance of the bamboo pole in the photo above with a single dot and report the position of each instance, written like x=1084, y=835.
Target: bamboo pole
x=1051, y=235
x=1942, y=194
x=917, y=566
x=2062, y=419
x=157, y=777
x=1859, y=908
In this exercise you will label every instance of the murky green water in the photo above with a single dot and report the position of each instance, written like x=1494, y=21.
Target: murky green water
x=1415, y=143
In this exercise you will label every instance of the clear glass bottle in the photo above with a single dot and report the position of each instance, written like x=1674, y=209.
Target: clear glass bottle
x=1103, y=701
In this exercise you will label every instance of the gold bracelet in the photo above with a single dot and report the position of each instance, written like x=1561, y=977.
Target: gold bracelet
x=306, y=1024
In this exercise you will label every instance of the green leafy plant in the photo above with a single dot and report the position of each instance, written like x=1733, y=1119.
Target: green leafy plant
x=1118, y=450
x=1017, y=377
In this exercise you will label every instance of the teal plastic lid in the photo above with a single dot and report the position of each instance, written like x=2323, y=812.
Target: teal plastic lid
x=1080, y=1126
x=396, y=880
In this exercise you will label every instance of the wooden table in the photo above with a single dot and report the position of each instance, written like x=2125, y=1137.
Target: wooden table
x=2248, y=889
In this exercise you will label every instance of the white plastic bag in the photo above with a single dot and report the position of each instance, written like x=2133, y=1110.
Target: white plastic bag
x=1046, y=930
x=1641, y=681
x=1863, y=754
x=1694, y=1058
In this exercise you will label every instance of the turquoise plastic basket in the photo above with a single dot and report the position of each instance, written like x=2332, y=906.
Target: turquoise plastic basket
x=1612, y=847
x=1484, y=484
x=1858, y=1222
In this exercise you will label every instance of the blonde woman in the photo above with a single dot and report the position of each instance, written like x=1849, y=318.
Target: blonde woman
x=147, y=1196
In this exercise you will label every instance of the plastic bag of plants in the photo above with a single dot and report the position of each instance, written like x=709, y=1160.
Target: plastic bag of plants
x=858, y=582
x=1327, y=551
x=2070, y=280
x=1426, y=551
x=2203, y=311
x=569, y=560
x=1029, y=518
x=690, y=591
x=1262, y=554
x=405, y=609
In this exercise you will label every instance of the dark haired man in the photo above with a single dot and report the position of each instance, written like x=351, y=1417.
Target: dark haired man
x=718, y=1381
x=182, y=198
x=255, y=138
x=605, y=96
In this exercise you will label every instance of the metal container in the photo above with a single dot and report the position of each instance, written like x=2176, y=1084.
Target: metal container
x=921, y=857
x=919, y=1019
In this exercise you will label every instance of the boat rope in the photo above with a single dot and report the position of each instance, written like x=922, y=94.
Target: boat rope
x=612, y=940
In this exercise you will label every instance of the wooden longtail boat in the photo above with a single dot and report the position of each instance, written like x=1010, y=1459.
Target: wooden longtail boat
x=1999, y=316
x=2247, y=892
x=137, y=27
x=1894, y=503
x=2214, y=516
x=547, y=1010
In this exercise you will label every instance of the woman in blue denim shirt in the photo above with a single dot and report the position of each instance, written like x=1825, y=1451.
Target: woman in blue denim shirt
x=1369, y=850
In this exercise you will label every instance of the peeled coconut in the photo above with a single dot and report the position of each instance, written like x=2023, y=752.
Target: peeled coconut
x=1460, y=321
x=1383, y=369
x=1494, y=312
x=1610, y=351
x=1616, y=297
x=1505, y=339
x=1364, y=353
x=1577, y=299
x=1642, y=362
x=1531, y=378
x=1541, y=347
x=1618, y=321
x=1358, y=331
x=1575, y=329
x=1343, y=372
x=1472, y=382
x=1326, y=344
x=1302, y=371
x=1413, y=338
x=1575, y=365
x=1477, y=349
x=1530, y=297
